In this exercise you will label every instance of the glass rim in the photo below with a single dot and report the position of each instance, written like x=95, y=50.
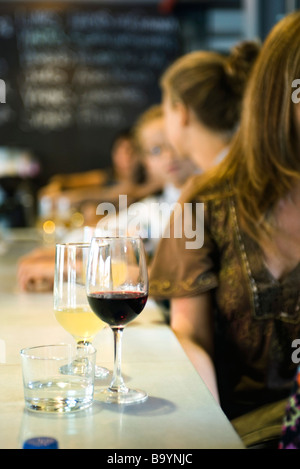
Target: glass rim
x=117, y=237
x=79, y=244
x=28, y=352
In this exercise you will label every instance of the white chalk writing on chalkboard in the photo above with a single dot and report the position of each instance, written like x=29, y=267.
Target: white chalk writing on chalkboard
x=60, y=57
x=45, y=75
x=39, y=17
x=47, y=120
x=88, y=67
x=132, y=21
x=85, y=76
x=112, y=116
x=47, y=97
x=117, y=95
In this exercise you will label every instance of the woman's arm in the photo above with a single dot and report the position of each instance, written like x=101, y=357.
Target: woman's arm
x=36, y=270
x=192, y=322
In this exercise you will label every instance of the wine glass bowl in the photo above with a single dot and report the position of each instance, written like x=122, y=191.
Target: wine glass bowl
x=117, y=291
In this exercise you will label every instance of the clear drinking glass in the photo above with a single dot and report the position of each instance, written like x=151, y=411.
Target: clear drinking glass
x=71, y=307
x=117, y=290
x=47, y=389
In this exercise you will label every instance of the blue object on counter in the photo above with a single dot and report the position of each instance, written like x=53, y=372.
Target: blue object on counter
x=41, y=443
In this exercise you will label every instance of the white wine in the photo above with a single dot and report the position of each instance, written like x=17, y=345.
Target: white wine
x=80, y=322
x=119, y=272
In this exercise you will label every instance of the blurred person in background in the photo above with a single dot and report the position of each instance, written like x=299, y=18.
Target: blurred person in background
x=122, y=170
x=163, y=167
x=152, y=213
x=83, y=191
x=203, y=93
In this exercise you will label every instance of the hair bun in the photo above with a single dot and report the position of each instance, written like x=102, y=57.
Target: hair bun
x=239, y=64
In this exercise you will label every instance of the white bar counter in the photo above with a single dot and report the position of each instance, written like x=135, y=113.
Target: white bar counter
x=180, y=413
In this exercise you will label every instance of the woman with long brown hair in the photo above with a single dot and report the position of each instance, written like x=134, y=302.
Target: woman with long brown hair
x=235, y=302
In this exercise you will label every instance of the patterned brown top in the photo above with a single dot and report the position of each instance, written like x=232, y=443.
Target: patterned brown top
x=256, y=316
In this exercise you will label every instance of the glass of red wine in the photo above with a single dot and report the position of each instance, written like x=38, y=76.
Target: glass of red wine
x=117, y=291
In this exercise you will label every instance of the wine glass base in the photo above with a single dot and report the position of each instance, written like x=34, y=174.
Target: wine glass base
x=129, y=396
x=101, y=372
x=78, y=368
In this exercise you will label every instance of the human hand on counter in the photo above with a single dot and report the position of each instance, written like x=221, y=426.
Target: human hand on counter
x=36, y=271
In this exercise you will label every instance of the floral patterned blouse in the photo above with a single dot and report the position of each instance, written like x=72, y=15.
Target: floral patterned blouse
x=256, y=317
x=290, y=436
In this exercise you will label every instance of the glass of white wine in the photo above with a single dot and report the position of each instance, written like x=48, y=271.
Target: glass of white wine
x=71, y=306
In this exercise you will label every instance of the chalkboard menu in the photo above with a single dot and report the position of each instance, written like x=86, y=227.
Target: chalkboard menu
x=78, y=74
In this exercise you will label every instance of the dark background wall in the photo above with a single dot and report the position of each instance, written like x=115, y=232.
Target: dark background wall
x=78, y=73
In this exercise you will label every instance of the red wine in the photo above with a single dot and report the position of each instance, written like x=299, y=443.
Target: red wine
x=117, y=308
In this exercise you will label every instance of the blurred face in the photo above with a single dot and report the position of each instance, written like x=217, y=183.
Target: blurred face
x=123, y=157
x=160, y=158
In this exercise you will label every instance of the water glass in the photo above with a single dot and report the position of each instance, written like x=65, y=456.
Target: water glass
x=47, y=388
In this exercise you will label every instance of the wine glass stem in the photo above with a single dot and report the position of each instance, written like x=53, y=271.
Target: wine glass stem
x=80, y=348
x=82, y=343
x=117, y=383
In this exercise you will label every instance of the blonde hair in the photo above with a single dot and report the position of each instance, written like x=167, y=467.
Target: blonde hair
x=212, y=84
x=151, y=114
x=263, y=163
